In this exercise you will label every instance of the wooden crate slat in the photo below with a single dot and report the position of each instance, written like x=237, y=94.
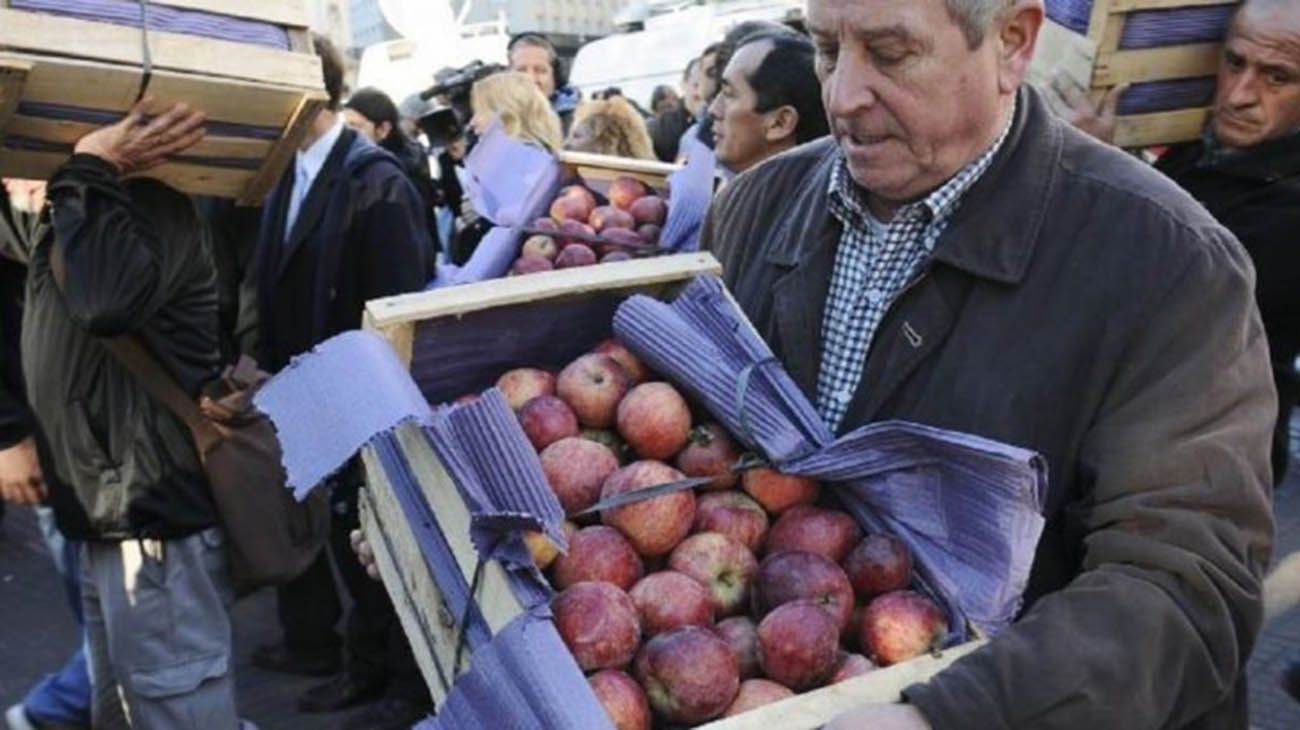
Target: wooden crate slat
x=1128, y=6
x=69, y=132
x=1157, y=64
x=418, y=602
x=292, y=13
x=814, y=709
x=1144, y=130
x=13, y=80
x=385, y=313
x=278, y=160
x=175, y=51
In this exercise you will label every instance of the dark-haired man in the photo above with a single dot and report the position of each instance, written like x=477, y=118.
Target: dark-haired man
x=769, y=101
x=535, y=56
x=343, y=226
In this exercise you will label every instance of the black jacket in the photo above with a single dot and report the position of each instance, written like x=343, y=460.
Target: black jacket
x=16, y=421
x=1081, y=305
x=361, y=234
x=1255, y=193
x=137, y=262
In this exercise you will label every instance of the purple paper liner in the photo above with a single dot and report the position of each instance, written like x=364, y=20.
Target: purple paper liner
x=1151, y=28
x=164, y=18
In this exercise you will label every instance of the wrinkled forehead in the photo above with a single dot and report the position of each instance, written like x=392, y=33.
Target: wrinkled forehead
x=527, y=55
x=1272, y=25
x=836, y=18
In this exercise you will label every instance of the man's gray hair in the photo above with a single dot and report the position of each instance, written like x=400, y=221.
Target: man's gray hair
x=976, y=17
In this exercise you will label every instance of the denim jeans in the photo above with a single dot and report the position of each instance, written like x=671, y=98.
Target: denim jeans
x=62, y=697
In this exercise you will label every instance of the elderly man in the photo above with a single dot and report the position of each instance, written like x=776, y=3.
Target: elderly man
x=768, y=101
x=1246, y=172
x=958, y=256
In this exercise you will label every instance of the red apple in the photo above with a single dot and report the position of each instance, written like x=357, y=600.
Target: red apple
x=576, y=468
x=722, y=565
x=654, y=526
x=610, y=440
x=655, y=420
x=798, y=645
x=575, y=255
x=741, y=634
x=598, y=553
x=829, y=533
x=614, y=257
x=755, y=693
x=689, y=674
x=879, y=564
x=734, y=515
x=573, y=203
x=625, y=191
x=649, y=233
x=901, y=625
x=800, y=576
x=571, y=232
x=632, y=365
x=649, y=209
x=593, y=385
x=667, y=600
x=524, y=384
x=541, y=549
x=778, y=492
x=547, y=225
x=607, y=216
x=546, y=419
x=623, y=699
x=850, y=666
x=620, y=239
x=598, y=623
x=710, y=451
x=530, y=265
x=540, y=246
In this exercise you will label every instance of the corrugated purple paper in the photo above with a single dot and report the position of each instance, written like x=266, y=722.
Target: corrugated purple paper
x=328, y=404
x=164, y=18
x=1151, y=28
x=970, y=508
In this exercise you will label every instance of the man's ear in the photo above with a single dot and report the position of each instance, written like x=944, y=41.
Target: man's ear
x=781, y=124
x=1016, y=40
x=382, y=130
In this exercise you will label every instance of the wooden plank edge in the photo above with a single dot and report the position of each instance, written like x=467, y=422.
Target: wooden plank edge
x=495, y=597
x=1145, y=130
x=813, y=709
x=176, y=51
x=622, y=164
x=413, y=626
x=13, y=77
x=1193, y=60
x=400, y=336
x=466, y=298
x=1128, y=6
x=276, y=162
x=291, y=13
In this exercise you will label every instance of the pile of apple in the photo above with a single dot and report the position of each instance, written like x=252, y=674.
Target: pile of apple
x=716, y=600
x=634, y=218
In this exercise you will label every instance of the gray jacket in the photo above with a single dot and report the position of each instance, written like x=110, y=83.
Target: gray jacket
x=1081, y=305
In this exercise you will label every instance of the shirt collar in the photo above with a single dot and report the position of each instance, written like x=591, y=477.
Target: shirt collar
x=848, y=204
x=312, y=159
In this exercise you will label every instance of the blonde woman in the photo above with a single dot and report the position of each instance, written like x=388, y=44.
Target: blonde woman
x=524, y=112
x=610, y=127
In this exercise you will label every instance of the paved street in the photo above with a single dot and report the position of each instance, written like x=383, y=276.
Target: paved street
x=37, y=632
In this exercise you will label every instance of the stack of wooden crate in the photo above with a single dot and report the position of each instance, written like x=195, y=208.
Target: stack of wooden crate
x=1169, y=62
x=65, y=71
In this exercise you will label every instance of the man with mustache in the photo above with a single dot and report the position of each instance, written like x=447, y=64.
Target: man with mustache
x=958, y=256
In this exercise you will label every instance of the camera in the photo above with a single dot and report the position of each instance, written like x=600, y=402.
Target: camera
x=446, y=123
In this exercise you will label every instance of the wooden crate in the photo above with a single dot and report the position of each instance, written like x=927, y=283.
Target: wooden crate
x=85, y=65
x=429, y=622
x=598, y=171
x=1112, y=65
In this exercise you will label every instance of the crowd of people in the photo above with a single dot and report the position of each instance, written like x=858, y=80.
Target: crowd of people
x=908, y=224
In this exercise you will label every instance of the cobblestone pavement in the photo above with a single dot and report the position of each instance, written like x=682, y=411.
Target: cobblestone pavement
x=37, y=632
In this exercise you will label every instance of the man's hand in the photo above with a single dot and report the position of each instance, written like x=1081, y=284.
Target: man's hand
x=134, y=144
x=26, y=195
x=364, y=554
x=1099, y=120
x=880, y=717
x=20, y=474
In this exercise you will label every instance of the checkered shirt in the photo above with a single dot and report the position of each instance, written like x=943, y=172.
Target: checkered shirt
x=875, y=263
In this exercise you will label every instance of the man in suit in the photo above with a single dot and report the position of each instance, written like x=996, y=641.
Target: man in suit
x=343, y=226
